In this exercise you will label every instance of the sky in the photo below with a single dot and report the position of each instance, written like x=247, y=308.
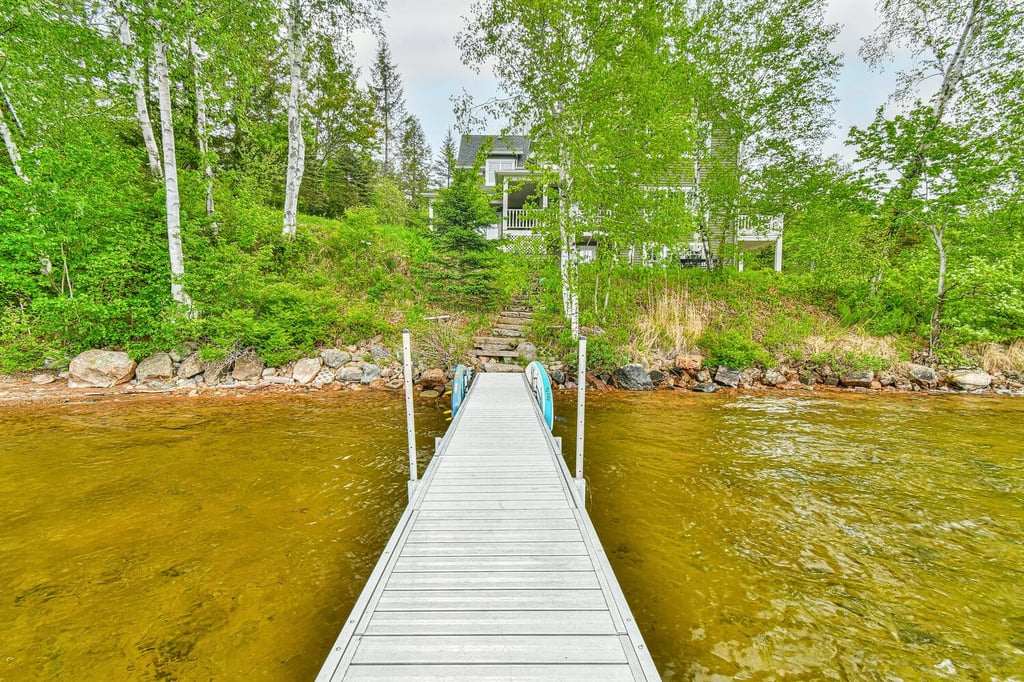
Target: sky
x=423, y=46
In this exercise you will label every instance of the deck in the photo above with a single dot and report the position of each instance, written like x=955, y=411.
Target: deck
x=494, y=571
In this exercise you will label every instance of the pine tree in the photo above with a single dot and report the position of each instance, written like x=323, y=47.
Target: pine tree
x=444, y=164
x=389, y=99
x=413, y=161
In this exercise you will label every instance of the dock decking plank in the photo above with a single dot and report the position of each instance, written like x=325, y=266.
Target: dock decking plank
x=494, y=571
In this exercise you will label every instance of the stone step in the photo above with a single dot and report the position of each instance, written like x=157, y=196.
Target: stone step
x=511, y=333
x=479, y=352
x=480, y=341
x=514, y=321
x=506, y=325
x=498, y=367
x=490, y=348
x=516, y=313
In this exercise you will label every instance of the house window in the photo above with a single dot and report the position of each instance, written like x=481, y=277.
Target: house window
x=498, y=165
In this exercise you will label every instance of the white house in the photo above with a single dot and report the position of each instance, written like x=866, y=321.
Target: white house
x=515, y=188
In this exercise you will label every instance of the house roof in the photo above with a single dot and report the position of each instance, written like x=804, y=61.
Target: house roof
x=503, y=145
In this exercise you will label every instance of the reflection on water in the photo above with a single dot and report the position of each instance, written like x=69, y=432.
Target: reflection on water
x=805, y=538
x=176, y=540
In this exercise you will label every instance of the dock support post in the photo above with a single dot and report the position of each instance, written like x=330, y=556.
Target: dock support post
x=409, y=419
x=581, y=391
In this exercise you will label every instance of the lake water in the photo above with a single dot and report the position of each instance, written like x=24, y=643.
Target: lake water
x=756, y=537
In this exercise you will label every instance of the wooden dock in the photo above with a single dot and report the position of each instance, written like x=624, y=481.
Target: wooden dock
x=494, y=571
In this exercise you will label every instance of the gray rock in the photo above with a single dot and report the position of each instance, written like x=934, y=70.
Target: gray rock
x=750, y=376
x=379, y=353
x=774, y=378
x=632, y=378
x=215, y=371
x=190, y=367
x=156, y=366
x=810, y=378
x=269, y=372
x=831, y=380
x=306, y=369
x=527, y=351
x=248, y=367
x=100, y=369
x=558, y=376
x=969, y=379
x=278, y=380
x=43, y=379
x=923, y=375
x=657, y=377
x=349, y=375
x=54, y=363
x=728, y=377
x=703, y=376
x=858, y=379
x=370, y=373
x=387, y=373
x=395, y=384
x=335, y=358
x=704, y=388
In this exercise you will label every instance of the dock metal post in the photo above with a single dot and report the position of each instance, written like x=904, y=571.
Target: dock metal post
x=409, y=419
x=581, y=392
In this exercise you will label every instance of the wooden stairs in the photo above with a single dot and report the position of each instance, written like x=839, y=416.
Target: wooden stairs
x=506, y=334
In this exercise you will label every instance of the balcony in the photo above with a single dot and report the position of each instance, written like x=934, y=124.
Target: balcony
x=516, y=224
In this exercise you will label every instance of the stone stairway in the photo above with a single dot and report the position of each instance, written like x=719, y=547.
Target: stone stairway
x=506, y=334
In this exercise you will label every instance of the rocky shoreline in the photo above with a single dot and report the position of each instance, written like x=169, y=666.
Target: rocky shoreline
x=373, y=366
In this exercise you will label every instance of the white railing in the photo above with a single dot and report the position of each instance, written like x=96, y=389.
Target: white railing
x=516, y=220
x=758, y=227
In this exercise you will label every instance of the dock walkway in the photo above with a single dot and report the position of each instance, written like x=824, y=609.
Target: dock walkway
x=494, y=571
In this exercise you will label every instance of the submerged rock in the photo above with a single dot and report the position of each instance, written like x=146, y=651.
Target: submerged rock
x=100, y=369
x=705, y=388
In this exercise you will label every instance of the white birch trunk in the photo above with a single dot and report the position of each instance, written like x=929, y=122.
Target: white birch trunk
x=953, y=73
x=12, y=148
x=938, y=234
x=568, y=259
x=202, y=137
x=141, y=107
x=296, y=145
x=170, y=177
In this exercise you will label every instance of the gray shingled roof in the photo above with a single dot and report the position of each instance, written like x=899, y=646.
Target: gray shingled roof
x=469, y=145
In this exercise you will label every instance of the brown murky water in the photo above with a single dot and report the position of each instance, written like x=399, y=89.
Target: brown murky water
x=756, y=537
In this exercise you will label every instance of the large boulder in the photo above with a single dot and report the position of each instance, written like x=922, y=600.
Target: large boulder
x=349, y=375
x=215, y=371
x=370, y=373
x=190, y=367
x=433, y=380
x=727, y=376
x=157, y=367
x=858, y=379
x=248, y=367
x=751, y=377
x=632, y=378
x=773, y=377
x=969, y=379
x=100, y=369
x=335, y=358
x=306, y=369
x=527, y=351
x=923, y=375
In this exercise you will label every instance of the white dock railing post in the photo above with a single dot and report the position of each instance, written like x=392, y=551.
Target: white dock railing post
x=581, y=391
x=409, y=419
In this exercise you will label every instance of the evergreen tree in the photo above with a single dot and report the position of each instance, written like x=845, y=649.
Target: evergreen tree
x=444, y=163
x=413, y=161
x=389, y=99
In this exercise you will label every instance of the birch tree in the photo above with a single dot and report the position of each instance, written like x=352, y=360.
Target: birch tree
x=137, y=82
x=974, y=51
x=171, y=195
x=7, y=109
x=303, y=18
x=596, y=89
x=202, y=122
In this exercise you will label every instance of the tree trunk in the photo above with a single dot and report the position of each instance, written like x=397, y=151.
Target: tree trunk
x=296, y=145
x=202, y=137
x=173, y=201
x=12, y=148
x=934, y=338
x=141, y=107
x=10, y=108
